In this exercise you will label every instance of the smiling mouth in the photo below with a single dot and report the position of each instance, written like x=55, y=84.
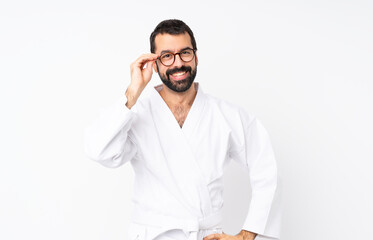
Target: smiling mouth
x=179, y=75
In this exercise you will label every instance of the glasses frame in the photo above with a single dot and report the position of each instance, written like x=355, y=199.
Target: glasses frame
x=178, y=53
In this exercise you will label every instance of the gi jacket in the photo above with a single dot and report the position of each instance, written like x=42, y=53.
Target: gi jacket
x=178, y=171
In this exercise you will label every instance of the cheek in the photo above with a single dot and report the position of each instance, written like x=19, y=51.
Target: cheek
x=162, y=72
x=194, y=66
x=163, y=69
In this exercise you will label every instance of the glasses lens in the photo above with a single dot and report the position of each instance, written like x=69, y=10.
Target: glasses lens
x=187, y=55
x=167, y=58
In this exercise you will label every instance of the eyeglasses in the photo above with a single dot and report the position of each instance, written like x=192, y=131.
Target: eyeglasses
x=168, y=58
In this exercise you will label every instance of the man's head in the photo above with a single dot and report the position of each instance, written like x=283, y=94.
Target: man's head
x=168, y=38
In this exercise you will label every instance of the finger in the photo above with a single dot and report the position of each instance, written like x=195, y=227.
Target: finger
x=148, y=71
x=212, y=236
x=149, y=66
x=148, y=55
x=143, y=59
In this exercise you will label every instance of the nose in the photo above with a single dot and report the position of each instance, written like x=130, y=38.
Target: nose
x=178, y=62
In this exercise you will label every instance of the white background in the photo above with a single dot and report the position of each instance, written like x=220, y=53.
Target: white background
x=303, y=67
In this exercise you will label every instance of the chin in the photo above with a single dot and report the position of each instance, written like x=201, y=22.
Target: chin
x=179, y=86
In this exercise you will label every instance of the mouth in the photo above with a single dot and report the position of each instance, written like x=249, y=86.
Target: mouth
x=179, y=75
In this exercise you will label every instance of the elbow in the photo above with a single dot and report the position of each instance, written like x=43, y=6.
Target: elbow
x=102, y=157
x=107, y=161
x=265, y=179
x=111, y=154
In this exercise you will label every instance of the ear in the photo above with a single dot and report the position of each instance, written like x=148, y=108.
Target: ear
x=196, y=59
x=155, y=67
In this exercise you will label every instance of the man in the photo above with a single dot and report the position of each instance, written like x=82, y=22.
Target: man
x=178, y=141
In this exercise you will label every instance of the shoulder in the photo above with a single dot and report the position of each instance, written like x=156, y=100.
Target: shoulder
x=233, y=112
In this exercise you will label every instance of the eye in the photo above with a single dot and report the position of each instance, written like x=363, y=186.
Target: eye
x=166, y=56
x=186, y=52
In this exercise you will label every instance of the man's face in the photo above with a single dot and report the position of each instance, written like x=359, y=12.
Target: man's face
x=180, y=75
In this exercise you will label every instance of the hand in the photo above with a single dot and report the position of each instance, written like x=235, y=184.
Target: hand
x=140, y=76
x=243, y=235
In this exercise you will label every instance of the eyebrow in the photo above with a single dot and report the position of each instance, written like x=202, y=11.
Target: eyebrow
x=167, y=51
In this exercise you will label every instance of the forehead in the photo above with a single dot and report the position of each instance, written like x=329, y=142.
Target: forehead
x=172, y=42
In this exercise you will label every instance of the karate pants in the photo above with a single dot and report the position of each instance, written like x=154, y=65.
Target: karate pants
x=145, y=232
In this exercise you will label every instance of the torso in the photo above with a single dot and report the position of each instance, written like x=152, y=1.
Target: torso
x=180, y=113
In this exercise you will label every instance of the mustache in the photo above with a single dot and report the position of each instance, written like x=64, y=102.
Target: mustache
x=181, y=69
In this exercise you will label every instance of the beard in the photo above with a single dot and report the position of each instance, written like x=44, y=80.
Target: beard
x=182, y=85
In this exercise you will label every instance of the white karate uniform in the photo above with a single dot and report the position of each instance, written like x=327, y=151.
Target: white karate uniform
x=178, y=171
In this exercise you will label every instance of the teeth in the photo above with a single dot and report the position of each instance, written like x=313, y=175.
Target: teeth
x=178, y=74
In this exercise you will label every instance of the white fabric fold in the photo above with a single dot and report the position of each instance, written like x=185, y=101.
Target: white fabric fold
x=178, y=171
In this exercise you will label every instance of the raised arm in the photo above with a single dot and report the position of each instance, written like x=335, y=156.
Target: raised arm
x=107, y=139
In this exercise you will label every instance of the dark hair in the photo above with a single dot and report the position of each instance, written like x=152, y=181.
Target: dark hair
x=173, y=27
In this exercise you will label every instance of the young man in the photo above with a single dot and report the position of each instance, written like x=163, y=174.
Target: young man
x=178, y=141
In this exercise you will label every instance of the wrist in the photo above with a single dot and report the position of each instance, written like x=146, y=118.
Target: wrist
x=247, y=235
x=131, y=96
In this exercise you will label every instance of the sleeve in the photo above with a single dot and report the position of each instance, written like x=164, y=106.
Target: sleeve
x=255, y=152
x=107, y=140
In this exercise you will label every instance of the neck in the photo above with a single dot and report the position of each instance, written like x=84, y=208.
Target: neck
x=173, y=98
